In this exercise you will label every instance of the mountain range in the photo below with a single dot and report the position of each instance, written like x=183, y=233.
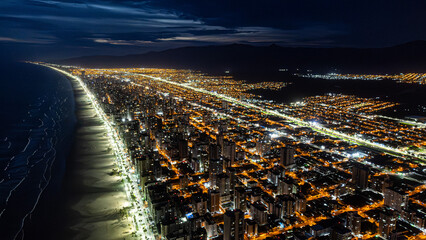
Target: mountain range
x=247, y=59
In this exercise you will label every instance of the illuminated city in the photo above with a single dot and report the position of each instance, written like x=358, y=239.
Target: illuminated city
x=410, y=78
x=212, y=120
x=206, y=161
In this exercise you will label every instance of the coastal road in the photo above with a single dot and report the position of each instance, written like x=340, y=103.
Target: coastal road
x=138, y=213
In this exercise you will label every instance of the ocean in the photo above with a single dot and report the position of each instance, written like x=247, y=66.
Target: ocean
x=37, y=122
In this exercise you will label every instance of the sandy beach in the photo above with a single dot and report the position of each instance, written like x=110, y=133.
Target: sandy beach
x=94, y=194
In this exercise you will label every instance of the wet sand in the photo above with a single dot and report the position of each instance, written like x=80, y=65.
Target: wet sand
x=94, y=196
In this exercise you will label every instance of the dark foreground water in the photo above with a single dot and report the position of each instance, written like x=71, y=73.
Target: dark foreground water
x=36, y=131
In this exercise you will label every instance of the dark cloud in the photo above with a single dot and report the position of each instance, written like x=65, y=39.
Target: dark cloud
x=61, y=28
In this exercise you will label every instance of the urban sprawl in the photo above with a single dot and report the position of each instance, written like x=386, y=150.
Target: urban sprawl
x=203, y=158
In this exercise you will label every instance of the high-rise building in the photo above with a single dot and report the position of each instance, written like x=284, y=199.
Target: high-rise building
x=215, y=163
x=231, y=172
x=199, y=203
x=213, y=201
x=269, y=201
x=259, y=213
x=220, y=140
x=228, y=151
x=223, y=184
x=159, y=124
x=287, y=157
x=287, y=186
x=274, y=174
x=210, y=225
x=340, y=233
x=277, y=210
x=240, y=198
x=288, y=203
x=157, y=170
x=183, y=181
x=387, y=223
x=183, y=149
x=354, y=222
x=300, y=203
x=395, y=198
x=263, y=146
x=215, y=168
x=195, y=165
x=233, y=227
x=144, y=164
x=200, y=156
x=360, y=174
x=214, y=151
x=255, y=195
x=251, y=228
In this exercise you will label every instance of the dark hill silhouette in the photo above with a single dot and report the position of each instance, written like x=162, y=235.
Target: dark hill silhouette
x=246, y=59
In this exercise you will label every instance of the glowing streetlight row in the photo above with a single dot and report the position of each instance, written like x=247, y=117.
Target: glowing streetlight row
x=131, y=187
x=315, y=127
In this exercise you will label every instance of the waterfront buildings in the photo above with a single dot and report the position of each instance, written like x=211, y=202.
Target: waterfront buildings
x=209, y=165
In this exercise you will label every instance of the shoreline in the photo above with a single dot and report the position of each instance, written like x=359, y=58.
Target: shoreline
x=94, y=197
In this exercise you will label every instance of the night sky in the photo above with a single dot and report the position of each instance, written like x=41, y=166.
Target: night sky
x=46, y=29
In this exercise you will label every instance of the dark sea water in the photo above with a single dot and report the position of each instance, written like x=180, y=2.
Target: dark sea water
x=36, y=130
